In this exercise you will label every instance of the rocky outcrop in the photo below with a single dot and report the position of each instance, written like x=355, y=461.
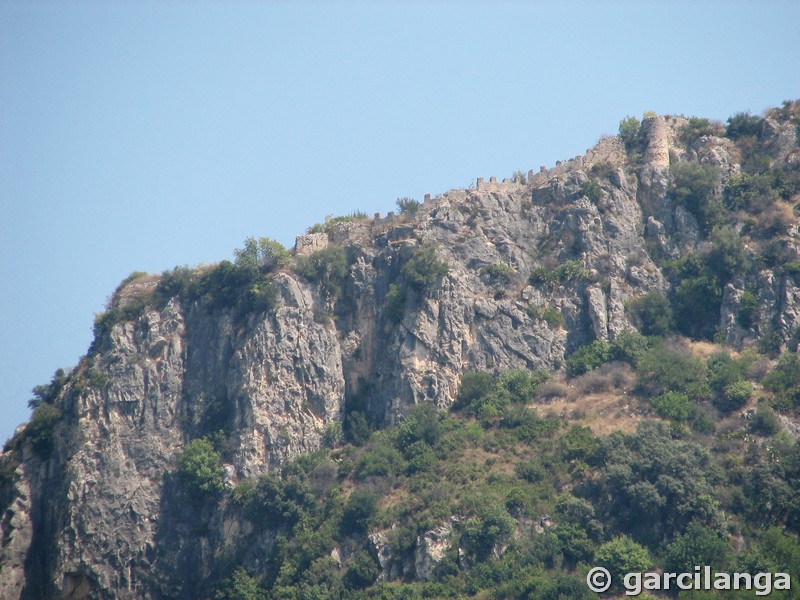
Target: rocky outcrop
x=431, y=549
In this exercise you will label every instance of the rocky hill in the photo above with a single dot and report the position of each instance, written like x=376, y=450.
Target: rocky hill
x=200, y=380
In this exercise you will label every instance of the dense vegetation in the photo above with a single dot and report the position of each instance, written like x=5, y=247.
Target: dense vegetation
x=527, y=500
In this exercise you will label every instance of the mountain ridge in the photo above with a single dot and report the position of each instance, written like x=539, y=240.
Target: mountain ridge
x=285, y=354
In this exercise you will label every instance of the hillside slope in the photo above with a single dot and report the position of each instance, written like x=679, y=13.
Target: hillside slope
x=200, y=380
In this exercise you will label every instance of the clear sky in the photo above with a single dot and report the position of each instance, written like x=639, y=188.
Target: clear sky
x=144, y=135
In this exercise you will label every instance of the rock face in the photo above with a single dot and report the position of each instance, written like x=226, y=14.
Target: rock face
x=431, y=549
x=100, y=514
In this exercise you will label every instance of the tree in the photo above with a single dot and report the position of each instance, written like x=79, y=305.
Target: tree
x=698, y=545
x=652, y=312
x=694, y=186
x=41, y=429
x=519, y=177
x=728, y=255
x=491, y=526
x=360, y=508
x=200, y=467
x=674, y=406
x=734, y=396
x=326, y=267
x=661, y=370
x=407, y=206
x=240, y=586
x=743, y=124
x=474, y=385
x=589, y=357
x=748, y=309
x=424, y=268
x=396, y=299
x=764, y=421
x=422, y=424
x=629, y=347
x=47, y=393
x=622, y=555
x=629, y=132
x=697, y=302
x=362, y=571
x=262, y=254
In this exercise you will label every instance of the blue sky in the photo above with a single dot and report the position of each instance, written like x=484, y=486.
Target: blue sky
x=144, y=135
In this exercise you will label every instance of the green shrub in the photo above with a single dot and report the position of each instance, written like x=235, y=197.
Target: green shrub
x=629, y=133
x=571, y=270
x=133, y=308
x=698, y=127
x=764, y=421
x=422, y=424
x=696, y=296
x=491, y=526
x=501, y=271
x=486, y=397
x=40, y=430
x=592, y=191
x=785, y=376
x=543, y=275
x=223, y=285
x=360, y=509
x=674, y=406
x=694, y=186
x=580, y=444
x=326, y=267
x=703, y=421
x=421, y=457
x=661, y=370
x=652, y=313
x=743, y=124
x=474, y=385
x=622, y=555
x=362, y=571
x=699, y=545
x=200, y=467
x=9, y=462
x=745, y=191
x=791, y=267
x=520, y=384
x=262, y=254
x=408, y=206
x=629, y=347
x=179, y=282
x=380, y=462
x=734, y=396
x=589, y=357
x=548, y=314
x=424, y=268
x=723, y=370
x=277, y=501
x=748, y=309
x=261, y=296
x=395, y=307
x=552, y=317
x=240, y=586
x=47, y=393
x=356, y=427
x=728, y=255
x=603, y=169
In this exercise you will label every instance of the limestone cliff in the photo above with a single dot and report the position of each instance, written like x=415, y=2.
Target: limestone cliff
x=99, y=513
